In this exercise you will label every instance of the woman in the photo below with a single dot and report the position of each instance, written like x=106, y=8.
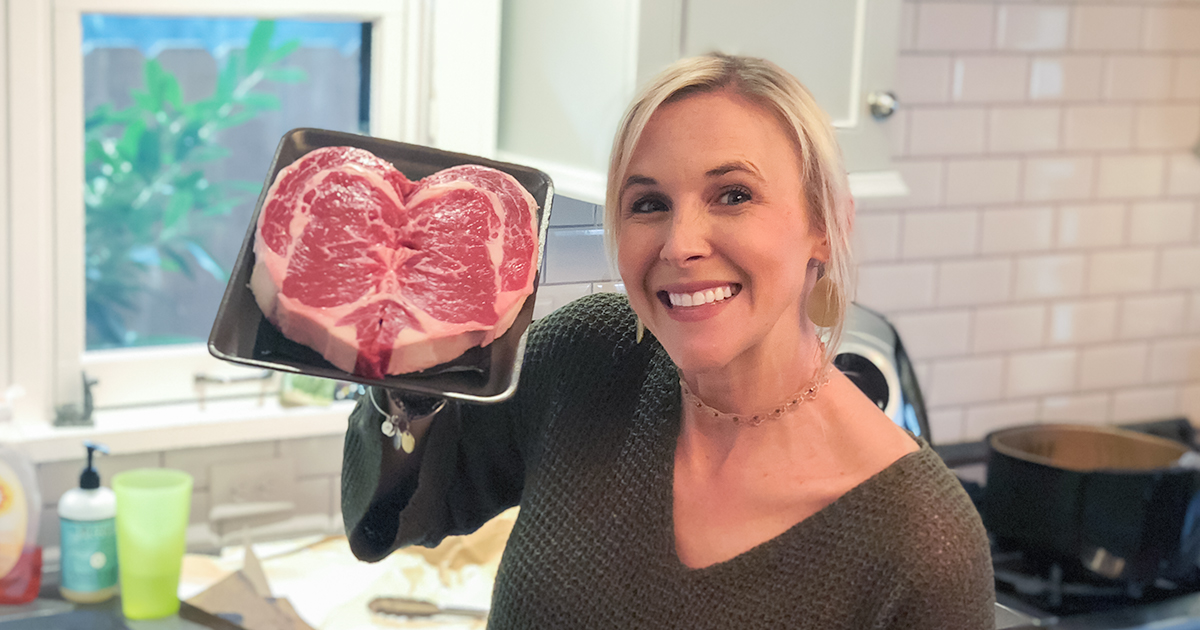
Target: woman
x=687, y=457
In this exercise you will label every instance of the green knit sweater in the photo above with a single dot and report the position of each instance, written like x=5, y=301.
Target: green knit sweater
x=586, y=446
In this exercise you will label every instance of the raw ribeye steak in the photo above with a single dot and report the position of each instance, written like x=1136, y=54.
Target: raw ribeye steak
x=383, y=275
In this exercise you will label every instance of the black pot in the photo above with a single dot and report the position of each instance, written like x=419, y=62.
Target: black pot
x=1109, y=501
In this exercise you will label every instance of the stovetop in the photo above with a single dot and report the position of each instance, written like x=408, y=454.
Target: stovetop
x=1039, y=594
x=1051, y=596
x=1047, y=586
x=1178, y=613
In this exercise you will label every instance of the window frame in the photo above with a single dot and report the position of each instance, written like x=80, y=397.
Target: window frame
x=42, y=332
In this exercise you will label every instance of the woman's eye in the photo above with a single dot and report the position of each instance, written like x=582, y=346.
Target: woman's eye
x=734, y=197
x=646, y=205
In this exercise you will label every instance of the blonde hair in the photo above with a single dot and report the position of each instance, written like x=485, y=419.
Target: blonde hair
x=826, y=189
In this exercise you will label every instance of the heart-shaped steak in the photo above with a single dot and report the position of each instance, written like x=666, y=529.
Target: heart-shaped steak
x=383, y=275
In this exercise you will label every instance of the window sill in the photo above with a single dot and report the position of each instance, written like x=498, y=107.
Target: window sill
x=169, y=427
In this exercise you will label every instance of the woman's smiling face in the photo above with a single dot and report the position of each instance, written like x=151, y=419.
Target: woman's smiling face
x=714, y=239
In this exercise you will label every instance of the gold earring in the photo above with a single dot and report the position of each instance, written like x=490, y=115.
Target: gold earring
x=641, y=329
x=824, y=303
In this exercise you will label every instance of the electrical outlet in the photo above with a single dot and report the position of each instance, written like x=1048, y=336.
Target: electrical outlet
x=264, y=481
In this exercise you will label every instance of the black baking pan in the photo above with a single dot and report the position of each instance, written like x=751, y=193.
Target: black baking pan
x=241, y=334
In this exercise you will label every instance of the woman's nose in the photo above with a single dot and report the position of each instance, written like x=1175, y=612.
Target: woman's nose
x=687, y=237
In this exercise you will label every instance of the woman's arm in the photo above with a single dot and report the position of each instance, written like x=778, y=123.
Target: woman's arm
x=469, y=462
x=391, y=498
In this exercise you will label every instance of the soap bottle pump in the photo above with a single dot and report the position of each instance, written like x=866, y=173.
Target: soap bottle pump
x=87, y=516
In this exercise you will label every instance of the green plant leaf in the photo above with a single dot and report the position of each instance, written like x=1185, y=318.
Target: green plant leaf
x=172, y=93
x=286, y=75
x=206, y=261
x=260, y=44
x=242, y=115
x=94, y=154
x=114, y=117
x=177, y=208
x=131, y=138
x=99, y=116
x=156, y=82
x=188, y=181
x=188, y=139
x=144, y=100
x=174, y=261
x=171, y=265
x=227, y=80
x=163, y=87
x=260, y=101
x=149, y=154
x=284, y=49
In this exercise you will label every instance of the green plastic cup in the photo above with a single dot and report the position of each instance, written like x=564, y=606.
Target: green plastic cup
x=153, y=505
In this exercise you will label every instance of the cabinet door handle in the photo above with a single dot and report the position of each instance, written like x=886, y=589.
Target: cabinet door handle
x=882, y=104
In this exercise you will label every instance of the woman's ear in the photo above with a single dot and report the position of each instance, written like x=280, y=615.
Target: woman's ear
x=821, y=251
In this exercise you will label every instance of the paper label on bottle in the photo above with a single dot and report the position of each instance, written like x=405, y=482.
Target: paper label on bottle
x=14, y=519
x=89, y=554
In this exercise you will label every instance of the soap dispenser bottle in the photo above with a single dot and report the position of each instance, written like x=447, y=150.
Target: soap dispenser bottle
x=87, y=516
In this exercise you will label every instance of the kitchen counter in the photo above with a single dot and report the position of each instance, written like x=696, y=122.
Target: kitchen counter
x=330, y=589
x=327, y=586
x=51, y=611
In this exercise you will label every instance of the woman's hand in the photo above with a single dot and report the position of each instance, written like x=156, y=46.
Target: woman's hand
x=408, y=416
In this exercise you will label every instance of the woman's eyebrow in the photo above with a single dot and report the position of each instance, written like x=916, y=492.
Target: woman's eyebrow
x=730, y=167
x=638, y=180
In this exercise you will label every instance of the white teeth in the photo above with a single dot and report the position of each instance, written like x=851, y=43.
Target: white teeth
x=700, y=298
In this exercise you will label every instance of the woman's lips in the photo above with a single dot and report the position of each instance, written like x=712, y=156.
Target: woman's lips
x=692, y=299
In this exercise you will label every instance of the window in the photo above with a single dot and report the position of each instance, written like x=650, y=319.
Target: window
x=138, y=327
x=181, y=115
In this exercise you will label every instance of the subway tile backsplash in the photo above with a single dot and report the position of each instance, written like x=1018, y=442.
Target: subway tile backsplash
x=576, y=255
x=1032, y=27
x=1053, y=232
x=572, y=212
x=1106, y=28
x=954, y=25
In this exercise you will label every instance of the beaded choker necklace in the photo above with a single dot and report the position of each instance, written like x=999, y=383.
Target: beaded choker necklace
x=809, y=392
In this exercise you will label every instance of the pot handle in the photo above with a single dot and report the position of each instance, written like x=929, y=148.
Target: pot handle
x=1189, y=539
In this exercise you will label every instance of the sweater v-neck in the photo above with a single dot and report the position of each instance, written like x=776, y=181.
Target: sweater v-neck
x=663, y=371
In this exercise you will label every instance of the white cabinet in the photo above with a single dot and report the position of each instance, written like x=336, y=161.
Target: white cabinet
x=568, y=69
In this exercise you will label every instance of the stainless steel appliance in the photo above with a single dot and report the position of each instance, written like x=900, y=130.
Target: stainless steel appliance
x=872, y=356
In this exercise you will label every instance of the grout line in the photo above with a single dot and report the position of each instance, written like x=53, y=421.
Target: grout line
x=1127, y=152
x=1012, y=53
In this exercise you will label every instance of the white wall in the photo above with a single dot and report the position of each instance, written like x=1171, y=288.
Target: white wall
x=1047, y=264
